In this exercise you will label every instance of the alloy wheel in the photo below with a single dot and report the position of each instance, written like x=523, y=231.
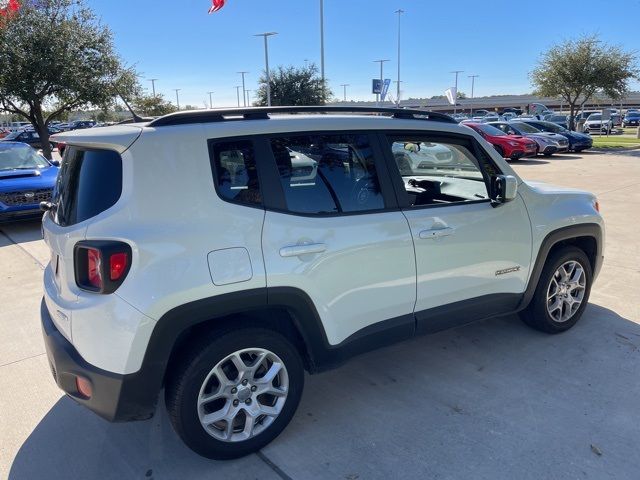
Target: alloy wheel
x=566, y=291
x=243, y=395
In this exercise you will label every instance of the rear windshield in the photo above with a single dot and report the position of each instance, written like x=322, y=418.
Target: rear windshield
x=89, y=182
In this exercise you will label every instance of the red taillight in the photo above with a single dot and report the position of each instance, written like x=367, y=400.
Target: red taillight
x=94, y=267
x=118, y=263
x=101, y=265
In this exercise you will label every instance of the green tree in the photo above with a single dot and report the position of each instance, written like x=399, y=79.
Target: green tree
x=294, y=86
x=576, y=70
x=55, y=56
x=152, y=106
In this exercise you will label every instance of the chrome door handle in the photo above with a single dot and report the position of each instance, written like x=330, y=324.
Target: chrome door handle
x=297, y=250
x=436, y=233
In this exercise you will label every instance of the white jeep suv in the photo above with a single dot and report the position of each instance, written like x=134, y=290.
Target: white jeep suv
x=218, y=255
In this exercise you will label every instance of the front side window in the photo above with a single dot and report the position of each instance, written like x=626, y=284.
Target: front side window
x=236, y=173
x=438, y=172
x=327, y=174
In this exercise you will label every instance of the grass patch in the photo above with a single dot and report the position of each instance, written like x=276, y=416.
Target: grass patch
x=615, y=141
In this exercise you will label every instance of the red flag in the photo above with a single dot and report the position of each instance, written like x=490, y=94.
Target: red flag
x=8, y=6
x=216, y=5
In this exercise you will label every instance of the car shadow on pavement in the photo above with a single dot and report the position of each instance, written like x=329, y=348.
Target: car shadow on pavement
x=528, y=161
x=488, y=400
x=22, y=231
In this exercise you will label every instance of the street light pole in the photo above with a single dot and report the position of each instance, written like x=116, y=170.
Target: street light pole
x=455, y=100
x=210, y=99
x=473, y=82
x=399, y=12
x=238, y=87
x=248, y=93
x=322, y=41
x=266, y=62
x=243, y=89
x=344, y=86
x=153, y=85
x=381, y=62
x=177, y=97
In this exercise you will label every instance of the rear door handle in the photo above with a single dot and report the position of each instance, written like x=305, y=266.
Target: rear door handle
x=436, y=233
x=297, y=250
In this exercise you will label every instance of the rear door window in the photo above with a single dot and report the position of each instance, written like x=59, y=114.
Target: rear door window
x=89, y=182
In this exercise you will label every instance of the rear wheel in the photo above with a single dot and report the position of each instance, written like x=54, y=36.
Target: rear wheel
x=562, y=293
x=236, y=393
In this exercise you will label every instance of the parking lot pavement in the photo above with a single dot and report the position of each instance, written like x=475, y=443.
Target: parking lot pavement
x=494, y=400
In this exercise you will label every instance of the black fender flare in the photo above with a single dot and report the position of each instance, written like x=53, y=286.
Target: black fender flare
x=592, y=230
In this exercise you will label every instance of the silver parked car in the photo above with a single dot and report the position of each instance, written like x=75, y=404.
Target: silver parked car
x=548, y=143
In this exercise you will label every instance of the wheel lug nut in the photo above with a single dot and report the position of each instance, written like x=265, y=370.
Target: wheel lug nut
x=234, y=390
x=235, y=403
x=245, y=381
x=248, y=401
x=254, y=388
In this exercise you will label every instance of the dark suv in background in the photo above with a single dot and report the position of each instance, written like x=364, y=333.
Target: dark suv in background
x=577, y=141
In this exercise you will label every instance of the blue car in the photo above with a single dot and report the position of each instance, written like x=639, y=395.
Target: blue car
x=26, y=179
x=577, y=141
x=631, y=119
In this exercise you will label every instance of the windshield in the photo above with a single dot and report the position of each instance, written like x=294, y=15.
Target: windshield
x=12, y=136
x=20, y=157
x=489, y=130
x=552, y=127
x=523, y=127
x=595, y=116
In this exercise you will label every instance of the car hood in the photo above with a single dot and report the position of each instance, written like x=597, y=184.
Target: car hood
x=543, y=187
x=553, y=136
x=15, y=180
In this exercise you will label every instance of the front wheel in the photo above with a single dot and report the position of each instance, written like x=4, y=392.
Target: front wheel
x=235, y=393
x=499, y=150
x=562, y=292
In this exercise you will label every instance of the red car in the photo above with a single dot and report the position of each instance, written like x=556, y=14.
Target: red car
x=509, y=146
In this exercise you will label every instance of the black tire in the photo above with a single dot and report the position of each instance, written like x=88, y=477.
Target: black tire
x=499, y=150
x=536, y=314
x=184, y=385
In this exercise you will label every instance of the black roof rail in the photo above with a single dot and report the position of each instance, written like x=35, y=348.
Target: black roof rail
x=262, y=113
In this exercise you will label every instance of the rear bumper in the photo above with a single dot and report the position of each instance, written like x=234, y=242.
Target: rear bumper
x=116, y=398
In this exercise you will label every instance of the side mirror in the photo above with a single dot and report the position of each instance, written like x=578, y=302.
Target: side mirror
x=55, y=163
x=504, y=188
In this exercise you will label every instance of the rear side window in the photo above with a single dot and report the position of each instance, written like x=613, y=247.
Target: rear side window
x=89, y=182
x=236, y=175
x=327, y=174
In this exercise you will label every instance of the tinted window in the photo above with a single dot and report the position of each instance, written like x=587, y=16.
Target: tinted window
x=488, y=129
x=524, y=128
x=89, y=182
x=236, y=173
x=437, y=172
x=327, y=173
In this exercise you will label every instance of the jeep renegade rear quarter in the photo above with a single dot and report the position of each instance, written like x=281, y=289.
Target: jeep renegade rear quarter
x=219, y=254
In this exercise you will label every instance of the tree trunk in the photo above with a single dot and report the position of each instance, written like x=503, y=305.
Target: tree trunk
x=43, y=131
x=572, y=120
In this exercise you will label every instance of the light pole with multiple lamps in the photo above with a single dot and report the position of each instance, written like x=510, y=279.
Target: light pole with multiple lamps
x=248, y=94
x=399, y=12
x=266, y=35
x=344, y=86
x=381, y=62
x=455, y=99
x=238, y=87
x=153, y=85
x=473, y=84
x=322, y=41
x=177, y=97
x=243, y=88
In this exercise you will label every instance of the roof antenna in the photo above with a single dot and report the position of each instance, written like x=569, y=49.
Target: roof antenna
x=136, y=118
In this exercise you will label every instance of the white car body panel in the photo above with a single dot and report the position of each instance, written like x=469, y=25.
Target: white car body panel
x=366, y=274
x=171, y=216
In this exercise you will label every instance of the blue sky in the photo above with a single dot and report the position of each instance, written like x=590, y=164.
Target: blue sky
x=500, y=40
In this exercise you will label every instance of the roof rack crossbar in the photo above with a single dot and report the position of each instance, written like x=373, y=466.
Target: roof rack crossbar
x=262, y=113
